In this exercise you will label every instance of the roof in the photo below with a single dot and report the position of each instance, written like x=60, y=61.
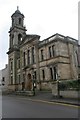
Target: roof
x=17, y=12
x=56, y=37
x=29, y=38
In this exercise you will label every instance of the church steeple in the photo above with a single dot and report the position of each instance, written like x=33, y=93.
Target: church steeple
x=17, y=30
x=17, y=18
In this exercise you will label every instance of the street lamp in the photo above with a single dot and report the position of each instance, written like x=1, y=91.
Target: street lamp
x=33, y=81
x=33, y=87
x=58, y=92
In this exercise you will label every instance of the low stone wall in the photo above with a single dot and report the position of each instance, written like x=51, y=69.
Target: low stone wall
x=46, y=86
x=11, y=87
x=64, y=93
x=19, y=87
x=70, y=94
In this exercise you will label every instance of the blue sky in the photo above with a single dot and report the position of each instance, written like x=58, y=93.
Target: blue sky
x=42, y=17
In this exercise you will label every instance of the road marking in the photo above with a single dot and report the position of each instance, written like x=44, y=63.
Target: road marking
x=44, y=101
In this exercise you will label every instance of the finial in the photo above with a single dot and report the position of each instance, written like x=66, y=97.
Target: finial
x=17, y=7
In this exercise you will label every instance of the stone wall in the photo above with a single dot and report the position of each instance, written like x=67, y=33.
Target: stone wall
x=69, y=94
x=65, y=93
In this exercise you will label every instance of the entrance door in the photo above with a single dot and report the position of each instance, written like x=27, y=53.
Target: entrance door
x=23, y=85
x=29, y=82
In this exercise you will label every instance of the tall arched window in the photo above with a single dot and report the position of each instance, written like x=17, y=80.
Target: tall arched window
x=19, y=21
x=12, y=40
x=19, y=38
x=12, y=21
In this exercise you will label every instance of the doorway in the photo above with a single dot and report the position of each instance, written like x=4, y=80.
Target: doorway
x=29, y=82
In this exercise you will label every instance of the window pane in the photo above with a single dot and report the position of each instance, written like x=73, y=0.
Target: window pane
x=11, y=65
x=51, y=72
x=43, y=74
x=19, y=20
x=42, y=55
x=50, y=52
x=55, y=72
x=53, y=52
x=28, y=57
x=24, y=58
x=19, y=78
x=33, y=60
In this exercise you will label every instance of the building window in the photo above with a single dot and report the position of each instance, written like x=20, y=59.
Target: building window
x=53, y=52
x=43, y=74
x=28, y=56
x=24, y=58
x=55, y=73
x=42, y=55
x=19, y=20
x=3, y=79
x=35, y=75
x=12, y=40
x=19, y=78
x=19, y=38
x=78, y=75
x=12, y=21
x=50, y=55
x=11, y=65
x=11, y=80
x=51, y=73
x=33, y=59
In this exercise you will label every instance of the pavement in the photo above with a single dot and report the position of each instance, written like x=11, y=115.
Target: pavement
x=47, y=96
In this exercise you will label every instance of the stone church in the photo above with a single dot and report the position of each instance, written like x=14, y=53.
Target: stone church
x=32, y=61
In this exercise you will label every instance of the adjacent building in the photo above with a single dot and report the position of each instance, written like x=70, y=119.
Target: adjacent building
x=40, y=62
x=79, y=61
x=0, y=79
x=4, y=78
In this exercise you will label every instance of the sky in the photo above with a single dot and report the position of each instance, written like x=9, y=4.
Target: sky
x=42, y=17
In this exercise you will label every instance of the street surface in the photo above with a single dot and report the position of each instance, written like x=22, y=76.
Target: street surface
x=23, y=107
x=0, y=106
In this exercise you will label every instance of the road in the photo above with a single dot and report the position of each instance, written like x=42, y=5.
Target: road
x=0, y=105
x=21, y=107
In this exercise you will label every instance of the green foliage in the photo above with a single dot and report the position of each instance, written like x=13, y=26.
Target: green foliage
x=69, y=85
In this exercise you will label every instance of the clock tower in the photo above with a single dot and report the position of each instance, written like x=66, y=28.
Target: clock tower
x=16, y=34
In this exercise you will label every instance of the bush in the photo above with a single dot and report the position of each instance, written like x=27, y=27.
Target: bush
x=69, y=85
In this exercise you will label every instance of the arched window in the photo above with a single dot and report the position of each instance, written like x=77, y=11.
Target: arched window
x=19, y=38
x=20, y=21
x=12, y=40
x=12, y=21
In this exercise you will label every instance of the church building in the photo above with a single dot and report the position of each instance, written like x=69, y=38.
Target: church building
x=40, y=62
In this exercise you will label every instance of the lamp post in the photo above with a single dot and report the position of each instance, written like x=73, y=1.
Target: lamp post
x=33, y=87
x=58, y=92
x=33, y=81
